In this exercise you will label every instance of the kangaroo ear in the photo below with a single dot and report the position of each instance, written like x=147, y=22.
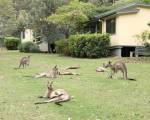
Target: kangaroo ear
x=109, y=62
x=48, y=83
x=104, y=65
x=51, y=83
x=55, y=66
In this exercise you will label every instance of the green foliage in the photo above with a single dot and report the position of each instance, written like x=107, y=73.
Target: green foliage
x=146, y=1
x=17, y=14
x=69, y=18
x=68, y=22
x=147, y=46
x=38, y=12
x=86, y=8
x=89, y=45
x=1, y=42
x=62, y=47
x=11, y=43
x=101, y=7
x=144, y=38
x=7, y=17
x=29, y=47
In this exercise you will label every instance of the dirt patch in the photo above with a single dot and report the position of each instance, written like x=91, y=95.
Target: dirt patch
x=2, y=77
x=134, y=60
x=138, y=60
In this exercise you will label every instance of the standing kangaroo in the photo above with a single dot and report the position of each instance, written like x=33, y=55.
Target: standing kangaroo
x=24, y=61
x=118, y=66
x=57, y=96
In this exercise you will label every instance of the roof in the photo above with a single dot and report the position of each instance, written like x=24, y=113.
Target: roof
x=130, y=8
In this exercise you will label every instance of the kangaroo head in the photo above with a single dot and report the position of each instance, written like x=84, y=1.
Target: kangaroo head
x=55, y=69
x=109, y=64
x=29, y=56
x=49, y=85
x=50, y=89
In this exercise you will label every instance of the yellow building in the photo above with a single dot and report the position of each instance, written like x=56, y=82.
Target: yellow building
x=27, y=35
x=123, y=24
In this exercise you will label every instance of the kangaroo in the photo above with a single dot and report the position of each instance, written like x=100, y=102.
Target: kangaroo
x=73, y=67
x=57, y=96
x=118, y=66
x=24, y=61
x=55, y=71
x=52, y=73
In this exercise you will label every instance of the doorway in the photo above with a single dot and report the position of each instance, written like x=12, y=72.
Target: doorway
x=125, y=52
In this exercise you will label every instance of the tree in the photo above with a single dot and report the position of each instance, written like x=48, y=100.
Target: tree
x=38, y=13
x=69, y=18
x=146, y=1
x=7, y=17
x=32, y=14
x=144, y=38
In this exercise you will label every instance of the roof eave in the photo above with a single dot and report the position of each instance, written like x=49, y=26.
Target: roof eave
x=128, y=12
x=115, y=11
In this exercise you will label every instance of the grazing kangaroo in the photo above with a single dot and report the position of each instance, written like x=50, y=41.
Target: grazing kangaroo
x=57, y=96
x=24, y=61
x=118, y=66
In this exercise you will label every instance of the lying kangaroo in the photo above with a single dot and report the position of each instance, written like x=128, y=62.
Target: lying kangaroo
x=57, y=96
x=24, y=61
x=118, y=66
x=52, y=73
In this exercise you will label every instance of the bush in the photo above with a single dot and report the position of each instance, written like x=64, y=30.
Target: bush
x=147, y=46
x=2, y=42
x=62, y=47
x=29, y=47
x=89, y=45
x=11, y=43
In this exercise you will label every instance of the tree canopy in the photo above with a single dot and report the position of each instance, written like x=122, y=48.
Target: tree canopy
x=7, y=17
x=69, y=18
x=50, y=19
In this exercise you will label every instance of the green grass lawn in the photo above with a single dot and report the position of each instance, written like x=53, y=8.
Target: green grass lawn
x=95, y=95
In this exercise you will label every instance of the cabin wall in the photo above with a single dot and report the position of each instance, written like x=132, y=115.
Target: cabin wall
x=130, y=25
x=28, y=35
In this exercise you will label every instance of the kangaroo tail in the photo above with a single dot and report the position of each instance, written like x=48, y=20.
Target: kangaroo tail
x=30, y=76
x=40, y=102
x=16, y=68
x=132, y=79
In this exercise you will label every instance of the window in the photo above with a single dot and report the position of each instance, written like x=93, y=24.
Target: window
x=111, y=26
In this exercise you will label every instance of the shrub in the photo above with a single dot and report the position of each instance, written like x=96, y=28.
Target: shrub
x=29, y=47
x=2, y=42
x=89, y=45
x=147, y=46
x=11, y=43
x=62, y=47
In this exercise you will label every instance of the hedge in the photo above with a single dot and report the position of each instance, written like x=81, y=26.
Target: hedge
x=29, y=47
x=62, y=47
x=11, y=43
x=2, y=42
x=89, y=45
